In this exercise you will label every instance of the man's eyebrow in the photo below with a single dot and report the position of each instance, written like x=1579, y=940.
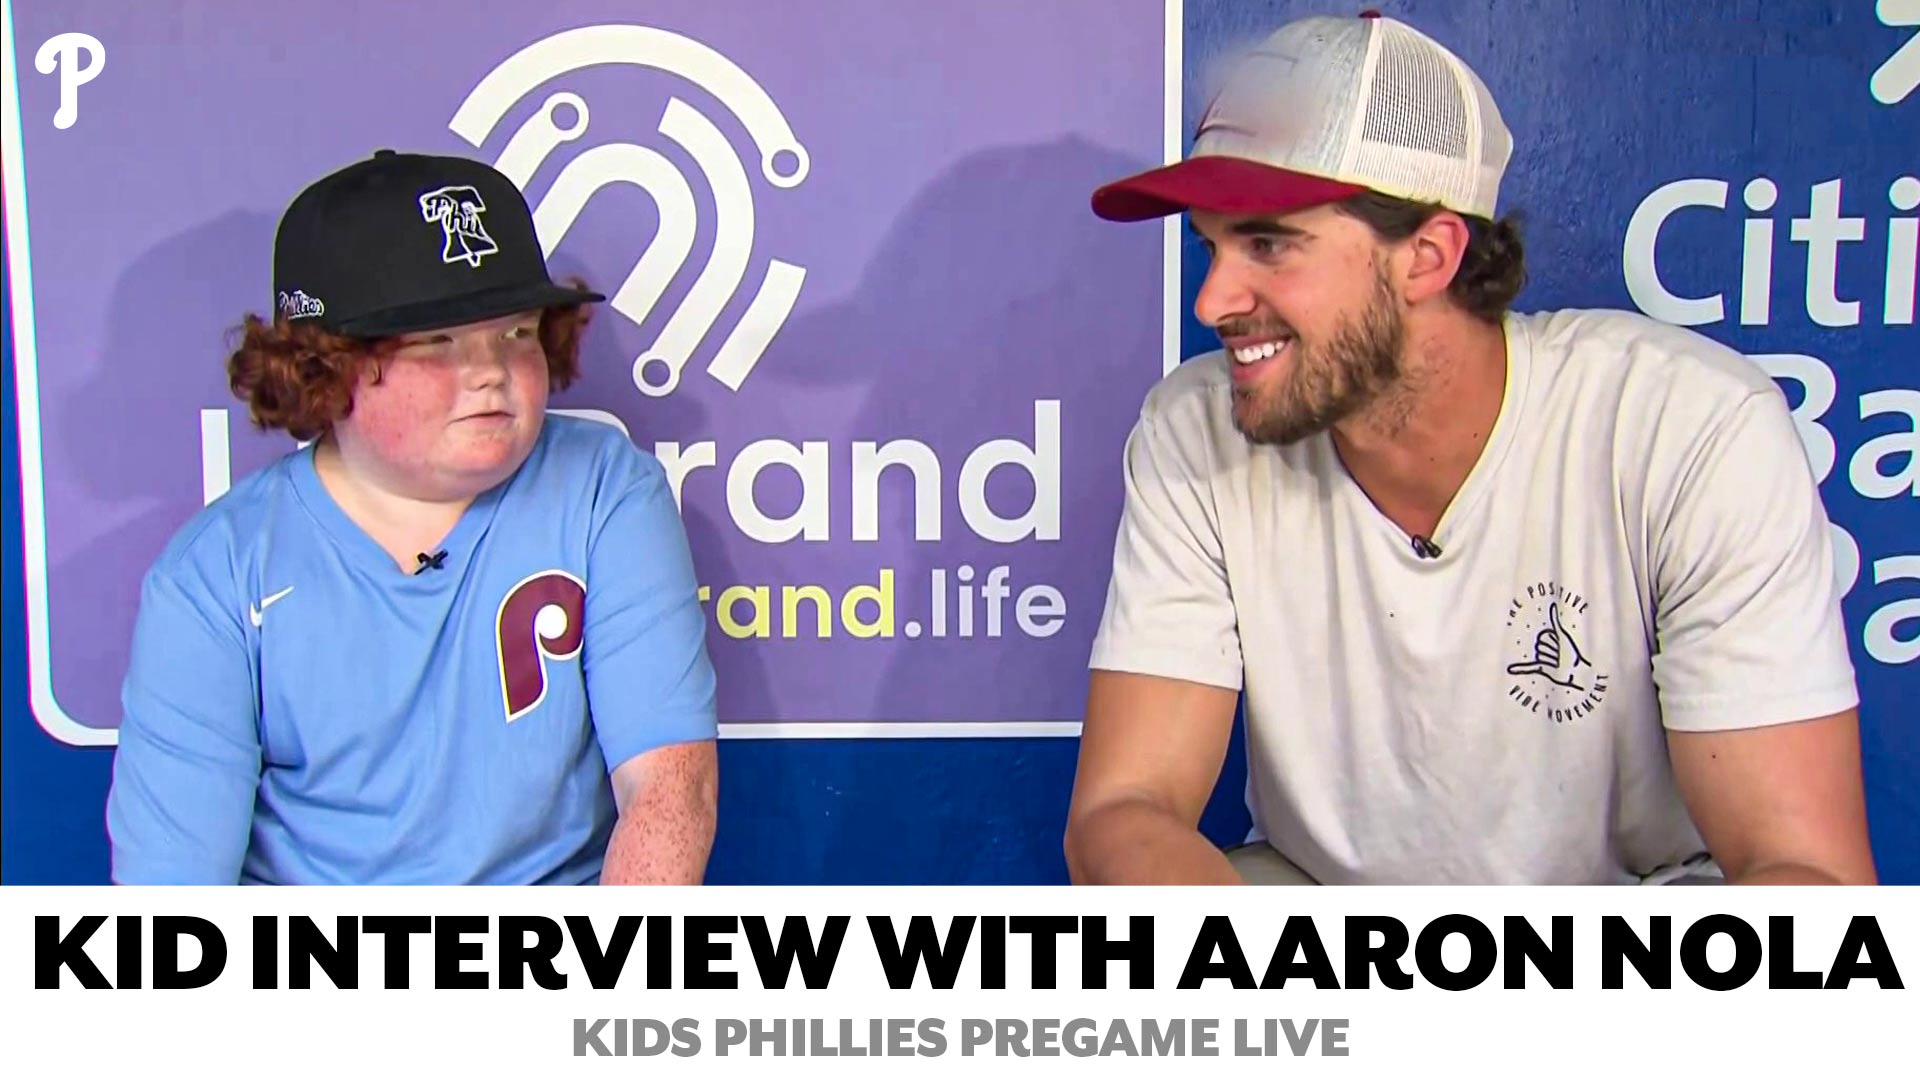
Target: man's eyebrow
x=1261, y=227
x=1258, y=227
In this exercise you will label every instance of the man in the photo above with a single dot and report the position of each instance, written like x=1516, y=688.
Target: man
x=1541, y=598
x=452, y=640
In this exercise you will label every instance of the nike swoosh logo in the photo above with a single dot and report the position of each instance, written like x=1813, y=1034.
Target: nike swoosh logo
x=254, y=610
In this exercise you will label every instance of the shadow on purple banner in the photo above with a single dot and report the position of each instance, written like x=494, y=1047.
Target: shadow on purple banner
x=163, y=304
x=1019, y=212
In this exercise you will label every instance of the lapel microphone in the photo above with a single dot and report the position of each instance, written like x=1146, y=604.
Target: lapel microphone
x=435, y=561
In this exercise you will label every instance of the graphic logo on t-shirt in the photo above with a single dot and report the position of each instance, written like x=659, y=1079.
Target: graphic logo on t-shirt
x=257, y=612
x=541, y=619
x=1552, y=672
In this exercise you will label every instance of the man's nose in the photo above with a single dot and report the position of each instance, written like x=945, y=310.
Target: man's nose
x=1222, y=296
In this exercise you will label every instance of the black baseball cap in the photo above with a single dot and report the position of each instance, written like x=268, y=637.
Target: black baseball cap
x=400, y=243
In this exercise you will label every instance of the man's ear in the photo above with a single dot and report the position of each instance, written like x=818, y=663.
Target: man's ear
x=1433, y=254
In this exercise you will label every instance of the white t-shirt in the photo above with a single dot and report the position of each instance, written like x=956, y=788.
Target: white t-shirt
x=1640, y=547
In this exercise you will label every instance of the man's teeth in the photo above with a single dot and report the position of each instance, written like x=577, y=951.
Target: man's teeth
x=1253, y=353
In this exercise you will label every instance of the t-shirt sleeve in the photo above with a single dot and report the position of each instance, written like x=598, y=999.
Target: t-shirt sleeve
x=1747, y=611
x=1169, y=609
x=180, y=808
x=650, y=682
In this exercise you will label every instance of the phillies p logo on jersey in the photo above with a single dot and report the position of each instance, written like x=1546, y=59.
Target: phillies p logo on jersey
x=541, y=619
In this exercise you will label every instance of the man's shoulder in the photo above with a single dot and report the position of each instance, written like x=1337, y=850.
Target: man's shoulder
x=1199, y=386
x=1643, y=356
x=1197, y=381
x=1657, y=402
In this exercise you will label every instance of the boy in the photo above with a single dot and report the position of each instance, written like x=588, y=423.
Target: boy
x=415, y=650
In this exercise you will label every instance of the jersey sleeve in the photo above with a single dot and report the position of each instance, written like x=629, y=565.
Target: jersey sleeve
x=1747, y=611
x=650, y=682
x=1169, y=608
x=180, y=807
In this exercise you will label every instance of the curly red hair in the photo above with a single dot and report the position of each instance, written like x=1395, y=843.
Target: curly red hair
x=299, y=378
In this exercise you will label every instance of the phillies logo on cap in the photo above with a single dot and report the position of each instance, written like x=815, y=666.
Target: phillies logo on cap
x=457, y=210
x=298, y=305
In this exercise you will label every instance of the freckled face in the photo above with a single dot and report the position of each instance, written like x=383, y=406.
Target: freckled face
x=451, y=413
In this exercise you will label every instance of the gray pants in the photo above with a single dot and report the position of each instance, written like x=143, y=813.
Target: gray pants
x=1258, y=864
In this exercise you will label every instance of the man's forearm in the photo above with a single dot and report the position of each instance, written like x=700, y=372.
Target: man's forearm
x=1139, y=843
x=661, y=841
x=1792, y=873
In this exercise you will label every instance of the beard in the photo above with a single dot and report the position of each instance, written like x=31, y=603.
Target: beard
x=1325, y=383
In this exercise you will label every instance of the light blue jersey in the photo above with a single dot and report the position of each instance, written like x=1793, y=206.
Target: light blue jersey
x=301, y=711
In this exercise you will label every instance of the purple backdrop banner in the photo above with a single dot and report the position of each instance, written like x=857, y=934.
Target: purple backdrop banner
x=859, y=306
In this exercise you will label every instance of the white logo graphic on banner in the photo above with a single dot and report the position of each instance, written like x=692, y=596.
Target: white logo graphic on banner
x=64, y=52
x=1901, y=73
x=1821, y=236
x=563, y=118
x=457, y=211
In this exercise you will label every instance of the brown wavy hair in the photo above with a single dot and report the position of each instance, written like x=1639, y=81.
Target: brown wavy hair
x=1493, y=269
x=299, y=378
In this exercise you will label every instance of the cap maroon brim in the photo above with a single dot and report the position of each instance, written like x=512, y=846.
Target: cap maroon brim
x=1224, y=185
